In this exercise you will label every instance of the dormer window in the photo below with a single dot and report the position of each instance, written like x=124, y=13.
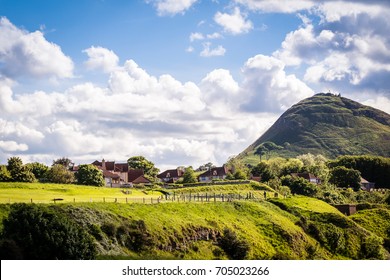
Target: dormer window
x=215, y=173
x=168, y=175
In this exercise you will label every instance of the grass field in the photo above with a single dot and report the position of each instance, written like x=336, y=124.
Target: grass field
x=46, y=193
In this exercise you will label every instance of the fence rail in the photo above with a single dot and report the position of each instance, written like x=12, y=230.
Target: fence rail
x=167, y=198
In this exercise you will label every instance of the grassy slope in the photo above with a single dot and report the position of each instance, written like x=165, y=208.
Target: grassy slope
x=328, y=125
x=45, y=193
x=292, y=228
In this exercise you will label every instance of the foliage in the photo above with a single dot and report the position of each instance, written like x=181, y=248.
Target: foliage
x=315, y=164
x=292, y=165
x=18, y=171
x=66, y=162
x=344, y=177
x=235, y=248
x=238, y=169
x=38, y=169
x=59, y=174
x=262, y=170
x=41, y=233
x=372, y=168
x=299, y=185
x=140, y=162
x=189, y=176
x=90, y=175
x=5, y=175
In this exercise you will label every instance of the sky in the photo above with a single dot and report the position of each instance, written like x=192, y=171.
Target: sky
x=181, y=82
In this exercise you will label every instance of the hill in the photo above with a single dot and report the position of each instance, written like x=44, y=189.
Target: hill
x=294, y=228
x=330, y=125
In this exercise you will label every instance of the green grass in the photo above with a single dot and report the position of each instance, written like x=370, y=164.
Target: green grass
x=45, y=193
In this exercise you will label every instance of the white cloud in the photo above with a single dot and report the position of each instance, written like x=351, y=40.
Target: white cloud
x=30, y=54
x=235, y=23
x=280, y=6
x=208, y=51
x=12, y=146
x=101, y=58
x=172, y=7
x=214, y=35
x=268, y=88
x=196, y=36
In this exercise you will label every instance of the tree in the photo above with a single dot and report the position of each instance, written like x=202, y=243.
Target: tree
x=189, y=176
x=37, y=232
x=262, y=170
x=38, y=169
x=299, y=185
x=140, y=162
x=64, y=161
x=5, y=175
x=261, y=150
x=292, y=165
x=18, y=171
x=344, y=177
x=59, y=174
x=89, y=174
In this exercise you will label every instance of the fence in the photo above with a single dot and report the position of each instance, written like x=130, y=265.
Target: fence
x=165, y=198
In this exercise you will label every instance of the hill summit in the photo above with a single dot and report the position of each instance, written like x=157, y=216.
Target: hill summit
x=327, y=124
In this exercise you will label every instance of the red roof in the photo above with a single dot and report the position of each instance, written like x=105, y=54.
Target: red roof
x=171, y=173
x=215, y=171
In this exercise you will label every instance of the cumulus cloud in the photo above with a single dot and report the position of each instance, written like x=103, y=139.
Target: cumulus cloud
x=196, y=36
x=12, y=146
x=268, y=88
x=208, y=51
x=101, y=58
x=30, y=54
x=235, y=23
x=171, y=7
x=280, y=6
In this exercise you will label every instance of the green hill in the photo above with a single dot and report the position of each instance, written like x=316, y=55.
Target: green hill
x=330, y=125
x=293, y=228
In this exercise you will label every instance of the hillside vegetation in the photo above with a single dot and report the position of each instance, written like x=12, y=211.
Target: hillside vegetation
x=329, y=125
x=293, y=228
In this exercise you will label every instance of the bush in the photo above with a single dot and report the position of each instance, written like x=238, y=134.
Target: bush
x=89, y=174
x=236, y=249
x=43, y=234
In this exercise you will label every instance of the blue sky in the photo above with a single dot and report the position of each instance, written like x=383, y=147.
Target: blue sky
x=182, y=82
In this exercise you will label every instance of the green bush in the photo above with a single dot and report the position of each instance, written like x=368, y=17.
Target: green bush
x=42, y=233
x=235, y=248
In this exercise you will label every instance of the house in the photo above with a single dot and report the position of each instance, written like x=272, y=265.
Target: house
x=171, y=175
x=346, y=209
x=136, y=177
x=308, y=176
x=365, y=185
x=214, y=173
x=115, y=174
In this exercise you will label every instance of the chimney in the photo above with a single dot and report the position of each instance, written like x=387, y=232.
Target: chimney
x=103, y=164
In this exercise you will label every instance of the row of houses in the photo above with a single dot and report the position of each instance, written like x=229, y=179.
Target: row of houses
x=119, y=175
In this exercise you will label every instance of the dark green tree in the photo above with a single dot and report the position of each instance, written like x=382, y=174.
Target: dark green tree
x=18, y=171
x=260, y=151
x=88, y=174
x=299, y=185
x=64, y=161
x=343, y=177
x=140, y=162
x=38, y=232
x=235, y=248
x=59, y=174
x=189, y=176
x=5, y=175
x=262, y=170
x=38, y=169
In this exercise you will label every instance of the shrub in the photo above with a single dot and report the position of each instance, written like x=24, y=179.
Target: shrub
x=42, y=233
x=235, y=248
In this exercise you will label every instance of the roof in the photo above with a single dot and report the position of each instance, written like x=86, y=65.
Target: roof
x=112, y=166
x=363, y=181
x=141, y=180
x=171, y=173
x=108, y=174
x=215, y=171
x=133, y=174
